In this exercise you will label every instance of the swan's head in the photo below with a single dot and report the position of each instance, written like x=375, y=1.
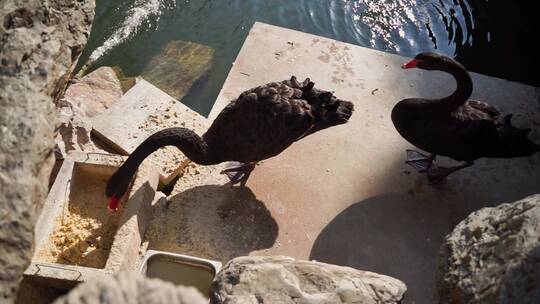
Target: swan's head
x=117, y=186
x=330, y=109
x=333, y=110
x=431, y=61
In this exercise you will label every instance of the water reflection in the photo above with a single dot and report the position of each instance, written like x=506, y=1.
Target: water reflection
x=484, y=35
x=409, y=26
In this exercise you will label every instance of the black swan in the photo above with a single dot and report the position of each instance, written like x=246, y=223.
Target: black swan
x=462, y=129
x=260, y=124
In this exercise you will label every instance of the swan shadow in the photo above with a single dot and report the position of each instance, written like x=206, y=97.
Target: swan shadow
x=390, y=234
x=400, y=233
x=217, y=222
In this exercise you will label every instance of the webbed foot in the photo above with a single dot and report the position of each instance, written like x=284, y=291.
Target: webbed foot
x=438, y=174
x=239, y=174
x=421, y=162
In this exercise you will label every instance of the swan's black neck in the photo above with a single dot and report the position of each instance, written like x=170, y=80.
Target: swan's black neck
x=184, y=139
x=420, y=107
x=464, y=88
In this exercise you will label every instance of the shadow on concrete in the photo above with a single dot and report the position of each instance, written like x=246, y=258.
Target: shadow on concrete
x=216, y=222
x=389, y=234
x=143, y=197
x=399, y=233
x=32, y=292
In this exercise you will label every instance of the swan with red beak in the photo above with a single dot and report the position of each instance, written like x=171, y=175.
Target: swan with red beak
x=259, y=124
x=455, y=126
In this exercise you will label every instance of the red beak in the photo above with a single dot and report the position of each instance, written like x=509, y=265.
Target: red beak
x=113, y=203
x=411, y=64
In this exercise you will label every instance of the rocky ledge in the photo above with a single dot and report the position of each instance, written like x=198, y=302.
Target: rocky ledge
x=84, y=99
x=493, y=256
x=39, y=41
x=253, y=280
x=127, y=288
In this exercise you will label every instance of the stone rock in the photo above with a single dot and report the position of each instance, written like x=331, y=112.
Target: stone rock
x=39, y=40
x=73, y=132
x=281, y=279
x=493, y=256
x=95, y=92
x=522, y=283
x=88, y=97
x=131, y=288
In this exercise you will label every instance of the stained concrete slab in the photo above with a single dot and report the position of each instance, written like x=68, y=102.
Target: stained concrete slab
x=143, y=110
x=344, y=195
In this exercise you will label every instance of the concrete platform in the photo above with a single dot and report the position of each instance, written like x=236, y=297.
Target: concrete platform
x=143, y=110
x=344, y=195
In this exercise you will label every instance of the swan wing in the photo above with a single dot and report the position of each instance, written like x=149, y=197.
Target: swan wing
x=479, y=109
x=260, y=123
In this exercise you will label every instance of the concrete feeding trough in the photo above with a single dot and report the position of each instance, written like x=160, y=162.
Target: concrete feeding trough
x=180, y=269
x=76, y=237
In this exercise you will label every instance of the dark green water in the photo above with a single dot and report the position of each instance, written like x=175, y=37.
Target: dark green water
x=492, y=37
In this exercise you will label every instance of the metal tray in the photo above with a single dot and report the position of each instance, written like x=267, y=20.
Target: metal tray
x=180, y=269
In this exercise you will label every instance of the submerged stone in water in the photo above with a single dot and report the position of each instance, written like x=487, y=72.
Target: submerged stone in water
x=178, y=66
x=126, y=82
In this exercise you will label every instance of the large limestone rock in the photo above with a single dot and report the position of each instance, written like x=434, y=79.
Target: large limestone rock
x=522, y=283
x=95, y=92
x=131, y=288
x=74, y=130
x=493, y=256
x=39, y=40
x=253, y=280
x=89, y=96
